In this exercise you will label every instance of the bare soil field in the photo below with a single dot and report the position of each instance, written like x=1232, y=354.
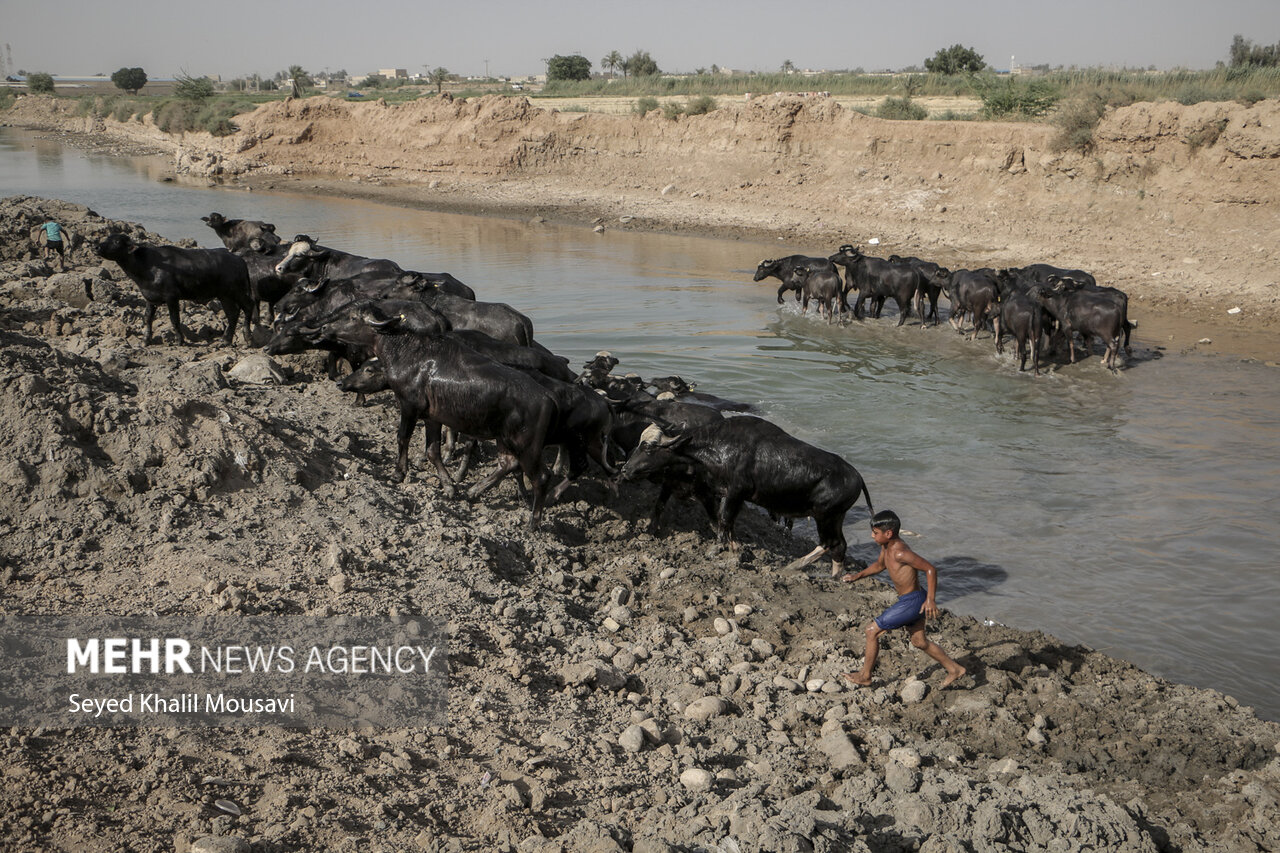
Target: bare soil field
x=610, y=689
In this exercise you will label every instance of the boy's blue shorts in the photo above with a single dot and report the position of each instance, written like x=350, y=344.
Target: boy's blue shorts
x=902, y=612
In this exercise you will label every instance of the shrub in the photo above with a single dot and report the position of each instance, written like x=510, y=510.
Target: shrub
x=672, y=110
x=193, y=88
x=901, y=109
x=1076, y=121
x=1204, y=135
x=7, y=98
x=1011, y=98
x=123, y=110
x=645, y=105
x=175, y=116
x=216, y=117
x=701, y=105
x=38, y=82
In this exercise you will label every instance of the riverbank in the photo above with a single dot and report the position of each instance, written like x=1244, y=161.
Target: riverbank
x=1176, y=205
x=609, y=689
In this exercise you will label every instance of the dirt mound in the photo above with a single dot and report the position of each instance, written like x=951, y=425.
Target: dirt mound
x=609, y=689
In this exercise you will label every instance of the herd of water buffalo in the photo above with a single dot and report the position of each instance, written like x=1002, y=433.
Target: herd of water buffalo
x=474, y=367
x=1034, y=303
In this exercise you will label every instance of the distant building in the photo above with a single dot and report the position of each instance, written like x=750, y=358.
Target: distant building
x=394, y=73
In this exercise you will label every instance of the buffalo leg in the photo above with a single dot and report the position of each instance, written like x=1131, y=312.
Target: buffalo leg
x=730, y=506
x=408, y=420
x=507, y=463
x=149, y=316
x=176, y=321
x=232, y=312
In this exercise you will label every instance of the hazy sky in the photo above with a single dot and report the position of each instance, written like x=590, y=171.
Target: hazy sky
x=238, y=37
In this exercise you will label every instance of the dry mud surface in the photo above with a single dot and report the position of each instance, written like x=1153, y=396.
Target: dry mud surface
x=178, y=480
x=173, y=480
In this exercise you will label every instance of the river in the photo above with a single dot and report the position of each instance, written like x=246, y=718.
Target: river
x=1134, y=513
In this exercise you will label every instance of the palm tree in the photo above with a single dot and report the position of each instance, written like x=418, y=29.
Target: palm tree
x=301, y=79
x=439, y=76
x=788, y=66
x=612, y=62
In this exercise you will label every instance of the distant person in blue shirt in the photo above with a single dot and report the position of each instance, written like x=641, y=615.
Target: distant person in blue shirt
x=53, y=242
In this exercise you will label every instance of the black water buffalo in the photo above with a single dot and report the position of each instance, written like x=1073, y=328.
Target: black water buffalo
x=265, y=284
x=443, y=382
x=306, y=257
x=971, y=292
x=1017, y=313
x=932, y=279
x=877, y=280
x=496, y=319
x=744, y=459
x=168, y=274
x=1114, y=294
x=235, y=234
x=822, y=286
x=1085, y=311
x=684, y=393
x=441, y=281
x=782, y=269
x=1041, y=273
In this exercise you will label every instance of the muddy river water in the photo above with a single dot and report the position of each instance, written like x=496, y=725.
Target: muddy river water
x=1135, y=513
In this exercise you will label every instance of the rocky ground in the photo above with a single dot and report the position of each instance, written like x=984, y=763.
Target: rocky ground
x=609, y=689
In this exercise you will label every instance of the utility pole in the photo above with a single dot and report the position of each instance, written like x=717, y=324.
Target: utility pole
x=486, y=69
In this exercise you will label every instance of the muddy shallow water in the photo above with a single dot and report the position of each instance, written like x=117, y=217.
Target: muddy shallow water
x=1134, y=513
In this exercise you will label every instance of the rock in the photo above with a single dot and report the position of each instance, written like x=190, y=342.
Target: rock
x=697, y=780
x=1006, y=766
x=835, y=744
x=690, y=615
x=594, y=672
x=220, y=844
x=788, y=684
x=814, y=685
x=742, y=610
x=612, y=625
x=338, y=583
x=667, y=189
x=722, y=626
x=1036, y=737
x=914, y=691
x=906, y=756
x=762, y=648
x=706, y=708
x=667, y=574
x=632, y=738
x=901, y=779
x=257, y=370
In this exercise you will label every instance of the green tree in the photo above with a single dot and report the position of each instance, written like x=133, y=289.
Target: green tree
x=191, y=88
x=40, y=83
x=612, y=62
x=129, y=79
x=956, y=59
x=576, y=67
x=1245, y=54
x=439, y=76
x=788, y=67
x=640, y=64
x=301, y=80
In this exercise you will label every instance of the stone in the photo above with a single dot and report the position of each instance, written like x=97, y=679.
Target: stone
x=742, y=610
x=840, y=751
x=788, y=684
x=338, y=583
x=632, y=738
x=914, y=691
x=722, y=626
x=220, y=844
x=906, y=756
x=257, y=370
x=706, y=708
x=901, y=779
x=697, y=780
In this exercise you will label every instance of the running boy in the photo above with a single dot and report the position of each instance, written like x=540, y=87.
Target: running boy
x=914, y=604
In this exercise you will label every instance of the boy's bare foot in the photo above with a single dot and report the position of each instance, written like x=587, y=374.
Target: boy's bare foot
x=858, y=679
x=953, y=677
